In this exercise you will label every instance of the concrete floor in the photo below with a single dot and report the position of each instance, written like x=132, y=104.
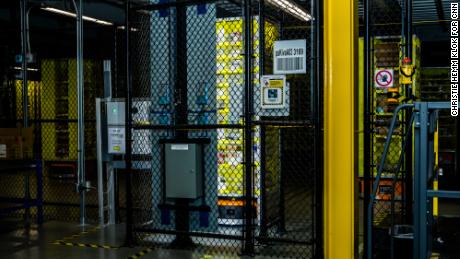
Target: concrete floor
x=39, y=242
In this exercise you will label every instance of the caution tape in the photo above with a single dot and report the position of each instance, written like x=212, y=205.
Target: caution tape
x=63, y=243
x=140, y=253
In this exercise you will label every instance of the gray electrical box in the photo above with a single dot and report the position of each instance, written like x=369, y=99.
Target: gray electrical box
x=116, y=113
x=183, y=170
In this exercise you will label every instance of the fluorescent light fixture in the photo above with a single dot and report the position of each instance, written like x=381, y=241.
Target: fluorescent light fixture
x=131, y=29
x=28, y=69
x=66, y=13
x=291, y=8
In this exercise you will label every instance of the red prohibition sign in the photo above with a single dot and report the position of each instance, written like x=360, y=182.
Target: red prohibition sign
x=383, y=78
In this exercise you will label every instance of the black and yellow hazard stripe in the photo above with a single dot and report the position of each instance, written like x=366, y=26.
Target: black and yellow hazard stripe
x=63, y=243
x=72, y=237
x=140, y=253
x=83, y=233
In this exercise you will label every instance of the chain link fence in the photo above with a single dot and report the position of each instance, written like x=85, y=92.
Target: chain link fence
x=52, y=104
x=387, y=51
x=53, y=107
x=191, y=80
x=191, y=84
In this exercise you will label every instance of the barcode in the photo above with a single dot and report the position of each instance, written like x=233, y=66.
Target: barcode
x=289, y=64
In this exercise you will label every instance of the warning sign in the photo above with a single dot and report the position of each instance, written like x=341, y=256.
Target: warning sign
x=116, y=141
x=384, y=78
x=273, y=94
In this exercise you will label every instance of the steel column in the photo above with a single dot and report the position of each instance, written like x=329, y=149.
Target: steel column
x=420, y=180
x=81, y=114
x=100, y=166
x=263, y=169
x=367, y=129
x=318, y=144
x=129, y=241
x=340, y=134
x=24, y=40
x=182, y=214
x=248, y=134
x=407, y=25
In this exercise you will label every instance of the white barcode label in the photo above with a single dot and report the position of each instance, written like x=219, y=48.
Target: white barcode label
x=290, y=64
x=289, y=57
x=2, y=151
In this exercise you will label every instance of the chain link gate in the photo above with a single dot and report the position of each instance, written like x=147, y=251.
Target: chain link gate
x=188, y=69
x=387, y=48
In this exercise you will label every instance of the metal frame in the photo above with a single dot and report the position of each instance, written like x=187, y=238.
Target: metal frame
x=367, y=115
x=250, y=236
x=408, y=176
x=425, y=119
x=24, y=39
x=82, y=185
x=25, y=8
x=248, y=131
x=424, y=128
x=129, y=240
x=27, y=202
x=317, y=62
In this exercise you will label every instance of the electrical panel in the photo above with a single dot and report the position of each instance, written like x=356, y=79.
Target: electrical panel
x=183, y=171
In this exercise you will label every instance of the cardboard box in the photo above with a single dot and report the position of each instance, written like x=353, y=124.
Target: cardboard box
x=16, y=143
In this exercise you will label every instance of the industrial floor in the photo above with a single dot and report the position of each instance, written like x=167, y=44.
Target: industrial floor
x=66, y=240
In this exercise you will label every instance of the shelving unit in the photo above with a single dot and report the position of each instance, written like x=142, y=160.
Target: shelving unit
x=230, y=93
x=58, y=105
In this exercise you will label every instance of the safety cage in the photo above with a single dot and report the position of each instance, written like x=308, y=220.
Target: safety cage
x=195, y=100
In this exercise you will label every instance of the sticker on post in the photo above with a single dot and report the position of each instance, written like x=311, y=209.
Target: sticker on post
x=273, y=91
x=116, y=141
x=289, y=57
x=179, y=147
x=384, y=78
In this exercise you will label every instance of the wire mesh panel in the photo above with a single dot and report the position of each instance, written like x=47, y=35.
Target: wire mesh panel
x=52, y=100
x=192, y=93
x=388, y=48
x=287, y=149
x=52, y=93
x=250, y=179
x=53, y=106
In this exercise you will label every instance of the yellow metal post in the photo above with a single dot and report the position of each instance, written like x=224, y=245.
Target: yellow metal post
x=340, y=127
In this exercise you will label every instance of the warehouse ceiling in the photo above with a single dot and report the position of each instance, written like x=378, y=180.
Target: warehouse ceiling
x=423, y=10
x=431, y=10
x=428, y=16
